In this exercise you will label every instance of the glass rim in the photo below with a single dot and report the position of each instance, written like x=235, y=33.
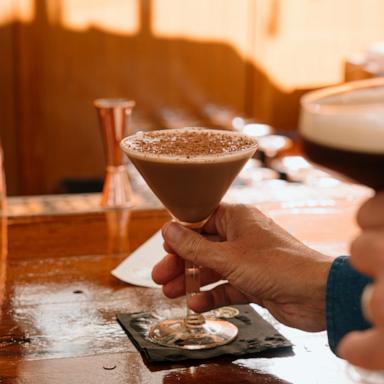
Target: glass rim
x=114, y=102
x=311, y=101
x=183, y=159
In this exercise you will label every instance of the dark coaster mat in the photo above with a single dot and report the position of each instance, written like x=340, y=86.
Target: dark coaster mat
x=255, y=335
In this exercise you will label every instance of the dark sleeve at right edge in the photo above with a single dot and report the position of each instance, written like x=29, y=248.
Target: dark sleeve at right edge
x=344, y=289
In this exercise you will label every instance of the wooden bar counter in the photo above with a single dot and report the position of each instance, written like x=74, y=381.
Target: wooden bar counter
x=58, y=324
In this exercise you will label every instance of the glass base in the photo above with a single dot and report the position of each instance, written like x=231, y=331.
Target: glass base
x=174, y=333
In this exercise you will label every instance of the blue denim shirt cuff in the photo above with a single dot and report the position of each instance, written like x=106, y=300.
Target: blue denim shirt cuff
x=344, y=289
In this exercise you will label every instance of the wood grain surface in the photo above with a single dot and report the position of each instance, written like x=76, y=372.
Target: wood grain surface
x=58, y=313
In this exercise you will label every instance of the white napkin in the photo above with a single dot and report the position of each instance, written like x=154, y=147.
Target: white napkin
x=136, y=269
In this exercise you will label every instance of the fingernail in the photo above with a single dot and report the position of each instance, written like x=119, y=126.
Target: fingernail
x=172, y=232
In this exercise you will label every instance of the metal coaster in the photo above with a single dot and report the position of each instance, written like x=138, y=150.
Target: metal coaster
x=226, y=312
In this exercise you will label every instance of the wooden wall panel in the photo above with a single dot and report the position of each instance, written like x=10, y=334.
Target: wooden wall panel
x=299, y=45
x=184, y=62
x=64, y=69
x=8, y=100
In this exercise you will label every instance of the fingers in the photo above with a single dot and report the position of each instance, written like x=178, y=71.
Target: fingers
x=373, y=303
x=217, y=223
x=215, y=238
x=229, y=222
x=170, y=273
x=232, y=220
x=167, y=248
x=194, y=247
x=367, y=252
x=371, y=213
x=167, y=269
x=364, y=349
x=224, y=294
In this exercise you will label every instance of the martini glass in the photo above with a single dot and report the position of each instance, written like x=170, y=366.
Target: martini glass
x=190, y=169
x=342, y=130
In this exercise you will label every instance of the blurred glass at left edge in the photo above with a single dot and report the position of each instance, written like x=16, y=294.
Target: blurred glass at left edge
x=3, y=233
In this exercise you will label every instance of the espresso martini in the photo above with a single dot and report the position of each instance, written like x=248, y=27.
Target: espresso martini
x=189, y=169
x=342, y=128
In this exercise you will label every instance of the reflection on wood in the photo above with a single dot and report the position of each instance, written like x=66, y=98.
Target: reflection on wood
x=59, y=326
x=117, y=223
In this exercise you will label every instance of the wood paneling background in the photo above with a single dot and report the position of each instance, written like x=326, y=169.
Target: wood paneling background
x=8, y=95
x=184, y=62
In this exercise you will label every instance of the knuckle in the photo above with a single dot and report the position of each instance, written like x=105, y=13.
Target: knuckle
x=378, y=250
x=371, y=212
x=363, y=215
x=367, y=252
x=242, y=209
x=222, y=217
x=356, y=246
x=234, y=209
x=222, y=258
x=372, y=242
x=192, y=247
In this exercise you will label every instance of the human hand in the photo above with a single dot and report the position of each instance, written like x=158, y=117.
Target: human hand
x=366, y=348
x=261, y=261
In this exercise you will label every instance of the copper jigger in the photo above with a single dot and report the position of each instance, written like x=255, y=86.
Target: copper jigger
x=115, y=121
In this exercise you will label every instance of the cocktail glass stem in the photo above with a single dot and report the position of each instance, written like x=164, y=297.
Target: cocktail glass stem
x=192, y=282
x=194, y=331
x=192, y=288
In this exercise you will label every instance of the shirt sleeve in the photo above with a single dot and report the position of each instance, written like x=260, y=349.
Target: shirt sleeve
x=344, y=289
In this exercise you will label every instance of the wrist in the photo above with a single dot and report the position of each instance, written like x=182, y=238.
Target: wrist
x=302, y=304
x=317, y=297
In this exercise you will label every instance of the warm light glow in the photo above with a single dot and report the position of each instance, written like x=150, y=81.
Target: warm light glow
x=16, y=10
x=7, y=12
x=257, y=130
x=223, y=21
x=297, y=44
x=295, y=163
x=25, y=10
x=310, y=41
x=272, y=144
x=116, y=16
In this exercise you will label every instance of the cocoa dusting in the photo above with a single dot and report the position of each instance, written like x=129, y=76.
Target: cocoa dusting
x=189, y=142
x=189, y=169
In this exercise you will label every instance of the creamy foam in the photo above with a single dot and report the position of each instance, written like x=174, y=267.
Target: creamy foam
x=189, y=145
x=345, y=118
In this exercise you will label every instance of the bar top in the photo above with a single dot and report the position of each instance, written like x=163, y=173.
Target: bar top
x=58, y=313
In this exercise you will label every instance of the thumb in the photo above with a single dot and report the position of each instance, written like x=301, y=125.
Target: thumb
x=192, y=246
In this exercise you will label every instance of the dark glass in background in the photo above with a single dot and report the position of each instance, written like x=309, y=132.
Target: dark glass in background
x=342, y=129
